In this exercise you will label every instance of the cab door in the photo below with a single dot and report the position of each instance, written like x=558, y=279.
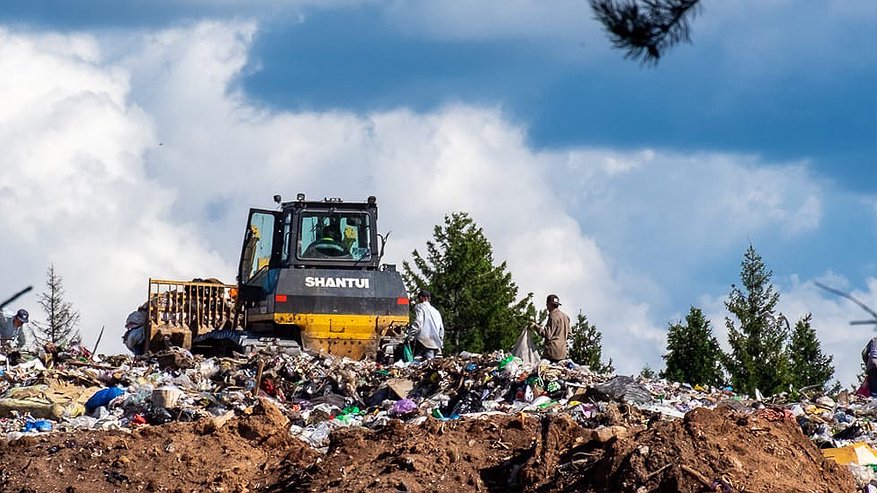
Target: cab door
x=260, y=254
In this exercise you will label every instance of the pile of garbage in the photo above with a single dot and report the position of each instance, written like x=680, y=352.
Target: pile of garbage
x=547, y=424
x=319, y=393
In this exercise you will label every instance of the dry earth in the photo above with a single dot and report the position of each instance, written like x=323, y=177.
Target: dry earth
x=709, y=450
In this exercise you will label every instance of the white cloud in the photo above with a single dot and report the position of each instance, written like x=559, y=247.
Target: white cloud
x=125, y=164
x=74, y=191
x=777, y=39
x=686, y=209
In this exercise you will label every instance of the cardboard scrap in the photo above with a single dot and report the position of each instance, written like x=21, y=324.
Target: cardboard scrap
x=400, y=386
x=858, y=453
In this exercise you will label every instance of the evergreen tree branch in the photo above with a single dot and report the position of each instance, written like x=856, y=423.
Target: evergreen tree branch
x=645, y=28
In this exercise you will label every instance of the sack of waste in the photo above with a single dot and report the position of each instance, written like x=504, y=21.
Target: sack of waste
x=526, y=349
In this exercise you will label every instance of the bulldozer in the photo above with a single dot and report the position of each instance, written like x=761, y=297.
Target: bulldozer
x=310, y=278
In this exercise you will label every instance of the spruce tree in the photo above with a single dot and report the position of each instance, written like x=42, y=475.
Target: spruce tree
x=808, y=365
x=61, y=317
x=757, y=359
x=693, y=354
x=586, y=345
x=477, y=299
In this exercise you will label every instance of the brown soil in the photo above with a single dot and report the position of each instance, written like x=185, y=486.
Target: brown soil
x=721, y=450
x=708, y=450
x=240, y=455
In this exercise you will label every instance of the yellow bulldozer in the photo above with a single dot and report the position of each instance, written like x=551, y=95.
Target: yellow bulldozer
x=310, y=277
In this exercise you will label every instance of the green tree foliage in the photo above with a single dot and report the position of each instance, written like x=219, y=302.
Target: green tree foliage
x=477, y=299
x=809, y=365
x=757, y=358
x=586, y=345
x=860, y=377
x=647, y=372
x=693, y=354
x=60, y=326
x=645, y=28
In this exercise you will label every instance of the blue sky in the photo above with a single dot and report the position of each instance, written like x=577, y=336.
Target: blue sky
x=648, y=182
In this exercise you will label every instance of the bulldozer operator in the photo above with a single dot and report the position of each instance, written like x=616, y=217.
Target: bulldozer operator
x=329, y=244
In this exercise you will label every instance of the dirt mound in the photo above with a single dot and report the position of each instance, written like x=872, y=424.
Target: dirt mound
x=237, y=454
x=719, y=450
x=709, y=450
x=481, y=454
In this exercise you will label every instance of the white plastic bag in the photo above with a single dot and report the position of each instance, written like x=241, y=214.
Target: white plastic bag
x=526, y=349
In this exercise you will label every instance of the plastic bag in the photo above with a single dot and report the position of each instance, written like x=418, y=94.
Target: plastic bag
x=407, y=353
x=102, y=398
x=469, y=402
x=38, y=425
x=526, y=349
x=403, y=406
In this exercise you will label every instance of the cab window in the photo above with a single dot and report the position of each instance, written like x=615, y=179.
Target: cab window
x=334, y=235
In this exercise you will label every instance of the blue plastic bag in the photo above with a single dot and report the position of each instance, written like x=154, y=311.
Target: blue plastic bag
x=38, y=425
x=102, y=398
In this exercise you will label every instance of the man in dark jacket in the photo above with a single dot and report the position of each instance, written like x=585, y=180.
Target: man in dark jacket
x=556, y=331
x=869, y=357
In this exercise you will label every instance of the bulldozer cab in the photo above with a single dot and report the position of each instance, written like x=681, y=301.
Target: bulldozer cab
x=307, y=234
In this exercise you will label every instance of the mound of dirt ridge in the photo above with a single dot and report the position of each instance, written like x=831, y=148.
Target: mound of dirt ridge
x=708, y=450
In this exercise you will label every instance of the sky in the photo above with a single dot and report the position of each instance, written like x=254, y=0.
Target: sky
x=136, y=135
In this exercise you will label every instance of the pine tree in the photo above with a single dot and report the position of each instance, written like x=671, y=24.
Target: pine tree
x=757, y=359
x=647, y=372
x=586, y=345
x=477, y=299
x=61, y=317
x=808, y=365
x=693, y=354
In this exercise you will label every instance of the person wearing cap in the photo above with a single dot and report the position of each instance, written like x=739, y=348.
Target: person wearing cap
x=556, y=331
x=12, y=336
x=427, y=327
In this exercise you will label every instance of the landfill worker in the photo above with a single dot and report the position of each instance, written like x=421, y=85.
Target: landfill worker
x=869, y=357
x=135, y=332
x=427, y=327
x=555, y=332
x=329, y=244
x=12, y=336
